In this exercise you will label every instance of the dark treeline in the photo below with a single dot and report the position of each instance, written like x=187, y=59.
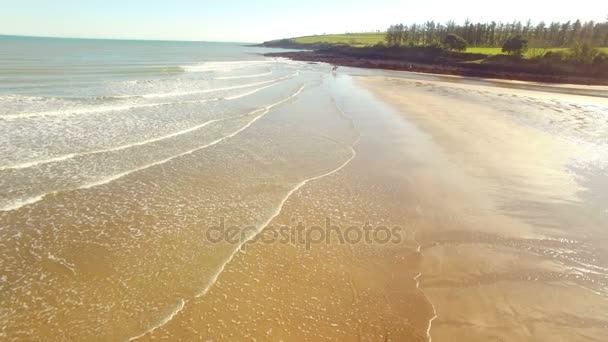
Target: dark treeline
x=494, y=34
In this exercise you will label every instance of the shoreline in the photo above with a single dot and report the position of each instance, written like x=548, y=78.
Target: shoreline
x=332, y=291
x=491, y=273
x=469, y=264
x=447, y=69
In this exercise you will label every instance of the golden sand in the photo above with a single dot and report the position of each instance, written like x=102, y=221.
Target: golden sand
x=496, y=191
x=485, y=198
x=497, y=270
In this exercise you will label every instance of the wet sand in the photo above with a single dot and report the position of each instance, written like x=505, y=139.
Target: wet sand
x=521, y=254
x=490, y=263
x=489, y=256
x=335, y=291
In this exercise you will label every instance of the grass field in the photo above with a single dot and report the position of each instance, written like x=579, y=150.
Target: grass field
x=354, y=39
x=373, y=38
x=532, y=52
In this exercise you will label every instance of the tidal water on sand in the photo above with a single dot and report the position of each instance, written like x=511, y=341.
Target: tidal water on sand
x=118, y=158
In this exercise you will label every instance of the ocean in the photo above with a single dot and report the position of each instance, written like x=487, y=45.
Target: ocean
x=80, y=113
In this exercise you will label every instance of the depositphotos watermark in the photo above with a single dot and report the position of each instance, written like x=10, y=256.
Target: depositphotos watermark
x=301, y=234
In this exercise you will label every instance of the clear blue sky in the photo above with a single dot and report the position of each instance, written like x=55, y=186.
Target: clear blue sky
x=251, y=21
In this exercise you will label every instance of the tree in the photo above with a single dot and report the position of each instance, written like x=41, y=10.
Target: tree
x=574, y=33
x=492, y=37
x=391, y=36
x=554, y=33
x=584, y=53
x=527, y=30
x=515, y=46
x=494, y=34
x=455, y=42
x=395, y=35
x=563, y=33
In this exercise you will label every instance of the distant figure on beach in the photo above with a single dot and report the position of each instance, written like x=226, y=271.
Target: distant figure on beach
x=410, y=67
x=334, y=68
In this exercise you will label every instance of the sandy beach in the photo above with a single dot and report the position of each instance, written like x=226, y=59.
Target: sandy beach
x=508, y=262
x=492, y=255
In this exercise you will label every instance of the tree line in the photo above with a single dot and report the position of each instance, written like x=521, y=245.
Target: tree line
x=494, y=34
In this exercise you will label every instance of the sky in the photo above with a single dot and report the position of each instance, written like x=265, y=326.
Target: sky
x=257, y=21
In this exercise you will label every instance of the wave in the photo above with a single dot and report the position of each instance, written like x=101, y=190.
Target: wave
x=244, y=76
x=435, y=316
x=29, y=164
x=223, y=66
x=94, y=110
x=103, y=109
x=22, y=98
x=204, y=91
x=112, y=149
x=180, y=306
x=250, y=92
x=23, y=202
x=263, y=112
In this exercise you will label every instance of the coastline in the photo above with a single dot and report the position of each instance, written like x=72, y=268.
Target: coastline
x=328, y=55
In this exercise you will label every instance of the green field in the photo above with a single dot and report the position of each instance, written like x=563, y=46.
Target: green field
x=532, y=52
x=354, y=39
x=373, y=38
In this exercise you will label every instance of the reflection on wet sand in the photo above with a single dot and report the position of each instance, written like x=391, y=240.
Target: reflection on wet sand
x=515, y=247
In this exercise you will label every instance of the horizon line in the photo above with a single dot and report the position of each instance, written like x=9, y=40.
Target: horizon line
x=127, y=39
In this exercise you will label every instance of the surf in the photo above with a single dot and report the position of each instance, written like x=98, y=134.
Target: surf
x=19, y=203
x=127, y=107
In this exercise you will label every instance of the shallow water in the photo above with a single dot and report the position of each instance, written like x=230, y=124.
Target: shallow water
x=110, y=180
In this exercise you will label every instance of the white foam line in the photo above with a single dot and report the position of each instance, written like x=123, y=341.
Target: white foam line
x=101, y=109
x=107, y=180
x=263, y=226
x=250, y=92
x=417, y=280
x=113, y=149
x=166, y=320
x=267, y=222
x=127, y=107
x=38, y=162
x=245, y=76
x=120, y=175
x=72, y=155
x=21, y=203
x=223, y=66
x=217, y=89
x=256, y=90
